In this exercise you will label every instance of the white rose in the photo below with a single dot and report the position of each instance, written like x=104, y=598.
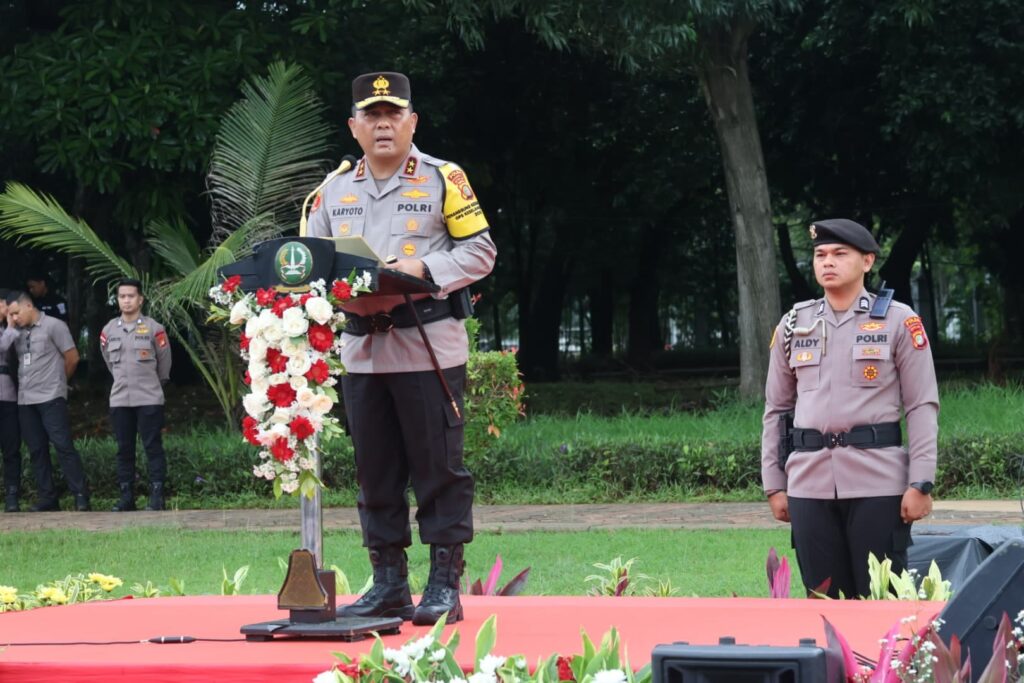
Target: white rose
x=298, y=365
x=322, y=404
x=281, y=416
x=298, y=382
x=273, y=332
x=295, y=347
x=266, y=438
x=240, y=312
x=305, y=397
x=294, y=322
x=257, y=350
x=256, y=404
x=258, y=368
x=319, y=309
x=278, y=378
x=259, y=384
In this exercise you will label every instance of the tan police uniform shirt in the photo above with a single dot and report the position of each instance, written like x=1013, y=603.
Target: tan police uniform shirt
x=426, y=211
x=41, y=348
x=138, y=355
x=860, y=371
x=8, y=392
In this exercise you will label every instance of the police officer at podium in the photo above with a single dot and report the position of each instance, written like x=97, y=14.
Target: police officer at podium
x=404, y=408
x=833, y=462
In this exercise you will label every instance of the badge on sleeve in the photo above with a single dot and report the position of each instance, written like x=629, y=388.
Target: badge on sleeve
x=317, y=202
x=916, y=329
x=161, y=339
x=462, y=213
x=103, y=338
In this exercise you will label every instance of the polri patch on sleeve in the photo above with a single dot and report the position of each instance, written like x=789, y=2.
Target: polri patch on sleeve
x=161, y=339
x=916, y=329
x=103, y=338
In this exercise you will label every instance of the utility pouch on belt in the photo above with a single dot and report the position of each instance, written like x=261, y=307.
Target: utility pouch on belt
x=785, y=438
x=461, y=303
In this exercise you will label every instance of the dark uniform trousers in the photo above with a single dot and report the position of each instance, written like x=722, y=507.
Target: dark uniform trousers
x=403, y=429
x=832, y=539
x=145, y=422
x=43, y=424
x=10, y=443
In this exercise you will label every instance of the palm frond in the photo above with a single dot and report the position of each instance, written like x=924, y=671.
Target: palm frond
x=175, y=244
x=269, y=150
x=37, y=220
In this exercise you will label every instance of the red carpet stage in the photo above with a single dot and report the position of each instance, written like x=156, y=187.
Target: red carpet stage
x=532, y=626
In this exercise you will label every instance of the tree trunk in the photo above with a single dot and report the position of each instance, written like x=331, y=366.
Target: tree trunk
x=644, y=331
x=726, y=84
x=900, y=263
x=801, y=290
x=539, y=327
x=602, y=315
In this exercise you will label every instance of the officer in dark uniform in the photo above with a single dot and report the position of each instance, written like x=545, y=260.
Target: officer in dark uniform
x=138, y=355
x=38, y=285
x=404, y=410
x=844, y=366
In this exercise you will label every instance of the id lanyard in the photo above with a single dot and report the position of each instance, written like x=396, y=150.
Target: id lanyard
x=26, y=359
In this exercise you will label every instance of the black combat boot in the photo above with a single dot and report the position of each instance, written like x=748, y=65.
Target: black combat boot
x=156, y=496
x=442, y=592
x=82, y=502
x=11, y=500
x=127, y=501
x=389, y=596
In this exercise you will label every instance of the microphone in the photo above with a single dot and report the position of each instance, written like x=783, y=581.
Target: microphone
x=347, y=162
x=166, y=640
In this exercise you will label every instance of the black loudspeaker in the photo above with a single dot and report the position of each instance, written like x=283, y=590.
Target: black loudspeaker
x=974, y=613
x=731, y=663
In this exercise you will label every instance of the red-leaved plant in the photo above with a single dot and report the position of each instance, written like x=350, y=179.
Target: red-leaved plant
x=490, y=587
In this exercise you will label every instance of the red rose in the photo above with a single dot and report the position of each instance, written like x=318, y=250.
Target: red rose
x=277, y=361
x=282, y=305
x=318, y=372
x=301, y=427
x=320, y=337
x=565, y=669
x=249, y=430
x=265, y=297
x=341, y=290
x=280, y=449
x=304, y=298
x=281, y=395
x=231, y=284
x=243, y=342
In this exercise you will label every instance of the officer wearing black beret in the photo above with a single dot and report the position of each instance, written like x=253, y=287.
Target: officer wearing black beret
x=404, y=409
x=842, y=370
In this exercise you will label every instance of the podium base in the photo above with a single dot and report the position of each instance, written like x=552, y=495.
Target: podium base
x=344, y=628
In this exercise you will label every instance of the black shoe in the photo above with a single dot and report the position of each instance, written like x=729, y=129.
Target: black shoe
x=46, y=506
x=126, y=503
x=389, y=596
x=156, y=496
x=11, y=500
x=82, y=503
x=442, y=592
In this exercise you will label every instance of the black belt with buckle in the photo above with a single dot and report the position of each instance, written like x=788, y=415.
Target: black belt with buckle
x=4, y=370
x=881, y=435
x=430, y=310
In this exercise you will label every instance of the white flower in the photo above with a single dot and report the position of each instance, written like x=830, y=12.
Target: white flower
x=482, y=678
x=319, y=309
x=322, y=404
x=289, y=486
x=305, y=397
x=240, y=312
x=299, y=365
x=609, y=676
x=298, y=382
x=256, y=404
x=278, y=378
x=438, y=655
x=294, y=322
x=281, y=416
x=327, y=677
x=273, y=331
x=294, y=347
x=417, y=648
x=399, y=659
x=257, y=351
x=259, y=384
x=490, y=663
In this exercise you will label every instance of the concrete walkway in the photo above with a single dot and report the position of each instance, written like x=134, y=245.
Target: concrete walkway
x=504, y=518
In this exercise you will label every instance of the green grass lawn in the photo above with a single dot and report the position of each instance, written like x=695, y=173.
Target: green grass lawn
x=697, y=562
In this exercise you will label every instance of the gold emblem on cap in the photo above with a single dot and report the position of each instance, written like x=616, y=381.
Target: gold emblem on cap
x=814, y=232
x=381, y=85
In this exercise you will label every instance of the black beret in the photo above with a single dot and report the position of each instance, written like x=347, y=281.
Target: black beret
x=844, y=231
x=381, y=86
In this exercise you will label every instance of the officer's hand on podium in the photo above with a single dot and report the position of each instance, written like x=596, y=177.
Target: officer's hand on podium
x=915, y=505
x=779, y=503
x=409, y=266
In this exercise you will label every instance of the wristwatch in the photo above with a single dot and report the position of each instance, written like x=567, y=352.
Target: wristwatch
x=924, y=487
x=772, y=492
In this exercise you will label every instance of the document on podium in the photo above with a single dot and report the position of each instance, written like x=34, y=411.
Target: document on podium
x=357, y=246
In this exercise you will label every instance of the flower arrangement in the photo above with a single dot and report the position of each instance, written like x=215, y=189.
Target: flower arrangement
x=69, y=590
x=291, y=343
x=427, y=659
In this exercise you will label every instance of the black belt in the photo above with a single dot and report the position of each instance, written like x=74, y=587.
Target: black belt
x=4, y=370
x=880, y=435
x=430, y=310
